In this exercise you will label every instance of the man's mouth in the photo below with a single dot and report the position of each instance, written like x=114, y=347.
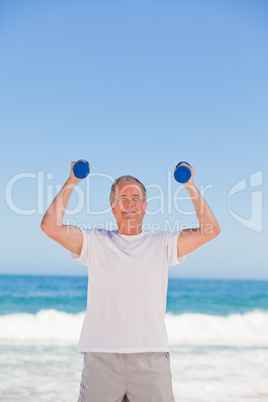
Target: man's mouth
x=129, y=212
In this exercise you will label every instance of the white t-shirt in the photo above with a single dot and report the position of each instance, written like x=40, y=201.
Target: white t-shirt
x=127, y=286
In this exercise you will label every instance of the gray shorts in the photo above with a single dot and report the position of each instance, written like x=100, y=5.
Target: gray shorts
x=126, y=377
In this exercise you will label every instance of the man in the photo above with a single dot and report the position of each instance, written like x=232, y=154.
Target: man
x=124, y=338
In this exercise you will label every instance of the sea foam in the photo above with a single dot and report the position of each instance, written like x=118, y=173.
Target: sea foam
x=235, y=329
x=186, y=329
x=46, y=326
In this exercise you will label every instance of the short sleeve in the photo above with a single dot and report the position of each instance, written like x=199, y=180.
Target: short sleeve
x=172, y=248
x=84, y=257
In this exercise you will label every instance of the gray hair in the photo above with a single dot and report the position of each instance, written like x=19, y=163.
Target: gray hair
x=126, y=179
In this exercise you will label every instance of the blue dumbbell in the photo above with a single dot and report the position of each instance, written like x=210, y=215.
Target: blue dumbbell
x=81, y=169
x=182, y=174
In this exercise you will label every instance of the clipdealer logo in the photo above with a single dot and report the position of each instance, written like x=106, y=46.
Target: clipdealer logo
x=254, y=222
x=167, y=201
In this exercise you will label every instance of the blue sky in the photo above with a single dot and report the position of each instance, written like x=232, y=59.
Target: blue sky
x=135, y=87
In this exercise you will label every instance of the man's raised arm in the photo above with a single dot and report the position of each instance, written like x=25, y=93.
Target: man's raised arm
x=208, y=229
x=68, y=236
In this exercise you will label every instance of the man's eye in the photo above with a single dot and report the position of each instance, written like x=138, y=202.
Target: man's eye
x=136, y=198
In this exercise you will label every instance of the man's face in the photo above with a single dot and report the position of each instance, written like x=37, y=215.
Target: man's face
x=129, y=206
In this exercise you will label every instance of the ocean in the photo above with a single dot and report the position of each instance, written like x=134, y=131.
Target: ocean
x=218, y=336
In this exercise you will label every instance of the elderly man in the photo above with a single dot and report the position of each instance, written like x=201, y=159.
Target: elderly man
x=124, y=338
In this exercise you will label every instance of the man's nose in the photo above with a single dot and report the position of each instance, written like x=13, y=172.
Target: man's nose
x=130, y=201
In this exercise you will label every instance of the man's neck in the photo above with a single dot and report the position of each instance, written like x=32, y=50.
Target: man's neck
x=129, y=230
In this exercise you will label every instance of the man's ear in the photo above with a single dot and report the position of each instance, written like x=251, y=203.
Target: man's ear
x=112, y=206
x=145, y=206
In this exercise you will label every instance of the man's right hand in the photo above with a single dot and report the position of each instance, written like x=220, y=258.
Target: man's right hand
x=72, y=177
